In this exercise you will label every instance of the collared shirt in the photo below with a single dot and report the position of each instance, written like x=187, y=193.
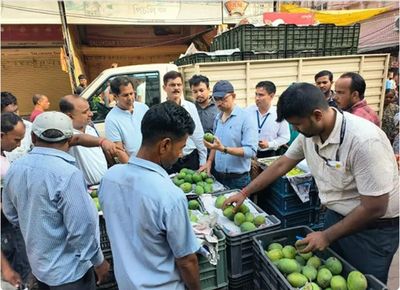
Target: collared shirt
x=196, y=140
x=331, y=100
x=362, y=110
x=90, y=160
x=124, y=126
x=26, y=144
x=276, y=133
x=148, y=225
x=45, y=194
x=366, y=165
x=239, y=130
x=207, y=116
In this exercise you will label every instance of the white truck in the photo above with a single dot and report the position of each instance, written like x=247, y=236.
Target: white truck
x=244, y=75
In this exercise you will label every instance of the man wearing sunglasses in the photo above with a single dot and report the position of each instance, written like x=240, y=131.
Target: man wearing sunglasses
x=235, y=141
x=356, y=173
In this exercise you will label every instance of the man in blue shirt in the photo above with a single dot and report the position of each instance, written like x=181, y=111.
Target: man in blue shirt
x=45, y=194
x=235, y=140
x=152, y=241
x=122, y=124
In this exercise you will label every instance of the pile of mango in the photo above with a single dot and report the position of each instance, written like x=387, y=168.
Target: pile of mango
x=243, y=218
x=193, y=205
x=95, y=198
x=309, y=271
x=189, y=180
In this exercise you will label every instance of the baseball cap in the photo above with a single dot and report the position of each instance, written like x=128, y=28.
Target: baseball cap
x=55, y=121
x=221, y=88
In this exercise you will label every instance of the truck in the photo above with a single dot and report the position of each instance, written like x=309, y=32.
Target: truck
x=244, y=75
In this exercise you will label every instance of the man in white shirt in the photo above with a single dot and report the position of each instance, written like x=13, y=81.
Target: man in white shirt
x=271, y=134
x=194, y=153
x=355, y=170
x=90, y=160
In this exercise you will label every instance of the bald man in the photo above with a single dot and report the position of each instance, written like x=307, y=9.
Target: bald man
x=90, y=160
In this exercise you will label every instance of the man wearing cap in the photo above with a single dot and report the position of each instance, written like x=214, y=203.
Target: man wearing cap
x=235, y=140
x=194, y=153
x=45, y=194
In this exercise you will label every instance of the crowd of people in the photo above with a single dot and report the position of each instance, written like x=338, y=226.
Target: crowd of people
x=50, y=226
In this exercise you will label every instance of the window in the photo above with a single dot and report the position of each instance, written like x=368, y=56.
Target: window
x=147, y=87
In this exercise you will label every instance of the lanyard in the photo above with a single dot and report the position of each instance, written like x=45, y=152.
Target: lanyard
x=342, y=132
x=262, y=123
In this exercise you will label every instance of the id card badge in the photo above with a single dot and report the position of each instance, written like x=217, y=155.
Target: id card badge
x=335, y=164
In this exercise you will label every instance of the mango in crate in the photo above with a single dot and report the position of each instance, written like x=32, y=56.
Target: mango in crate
x=295, y=171
x=220, y=201
x=356, y=281
x=247, y=227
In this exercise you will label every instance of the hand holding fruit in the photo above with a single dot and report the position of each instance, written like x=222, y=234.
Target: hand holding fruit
x=213, y=143
x=313, y=241
x=236, y=199
x=206, y=167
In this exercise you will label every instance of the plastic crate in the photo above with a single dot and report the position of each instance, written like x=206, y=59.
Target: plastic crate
x=240, y=248
x=283, y=186
x=342, y=36
x=275, y=279
x=213, y=277
x=291, y=219
x=245, y=282
x=104, y=240
x=340, y=51
x=304, y=53
x=303, y=38
x=110, y=283
x=251, y=55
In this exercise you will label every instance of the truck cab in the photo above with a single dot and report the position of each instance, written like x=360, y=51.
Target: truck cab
x=147, y=80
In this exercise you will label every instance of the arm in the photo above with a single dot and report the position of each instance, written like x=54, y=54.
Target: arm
x=110, y=149
x=8, y=274
x=209, y=162
x=373, y=183
x=76, y=206
x=122, y=155
x=189, y=270
x=283, y=136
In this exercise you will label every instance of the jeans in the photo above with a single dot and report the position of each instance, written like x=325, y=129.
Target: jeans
x=370, y=251
x=87, y=282
x=13, y=247
x=235, y=183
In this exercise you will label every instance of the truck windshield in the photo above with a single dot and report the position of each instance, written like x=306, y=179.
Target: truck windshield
x=147, y=87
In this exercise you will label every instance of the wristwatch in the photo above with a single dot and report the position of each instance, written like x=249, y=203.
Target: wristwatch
x=225, y=150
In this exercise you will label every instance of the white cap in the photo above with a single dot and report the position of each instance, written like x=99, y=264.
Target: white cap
x=55, y=121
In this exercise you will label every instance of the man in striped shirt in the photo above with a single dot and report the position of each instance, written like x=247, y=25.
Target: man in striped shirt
x=45, y=194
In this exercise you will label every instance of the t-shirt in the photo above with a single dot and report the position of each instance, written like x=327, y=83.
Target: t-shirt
x=34, y=114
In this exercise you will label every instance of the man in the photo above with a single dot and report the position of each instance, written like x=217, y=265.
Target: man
x=324, y=81
x=206, y=108
x=122, y=124
x=45, y=194
x=90, y=160
x=349, y=96
x=152, y=241
x=194, y=153
x=355, y=170
x=41, y=103
x=82, y=84
x=235, y=141
x=9, y=104
x=15, y=267
x=271, y=134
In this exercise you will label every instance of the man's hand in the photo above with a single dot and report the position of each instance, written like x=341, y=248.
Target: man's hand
x=10, y=276
x=206, y=167
x=263, y=144
x=236, y=199
x=102, y=272
x=217, y=145
x=314, y=241
x=110, y=149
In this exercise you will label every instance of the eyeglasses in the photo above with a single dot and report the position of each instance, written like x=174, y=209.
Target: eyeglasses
x=221, y=99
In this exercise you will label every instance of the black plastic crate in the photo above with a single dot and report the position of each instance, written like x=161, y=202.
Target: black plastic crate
x=304, y=53
x=291, y=219
x=244, y=282
x=302, y=38
x=340, y=51
x=239, y=247
x=283, y=186
x=268, y=273
x=342, y=36
x=251, y=55
x=104, y=240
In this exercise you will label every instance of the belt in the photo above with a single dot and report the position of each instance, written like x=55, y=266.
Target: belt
x=230, y=175
x=384, y=223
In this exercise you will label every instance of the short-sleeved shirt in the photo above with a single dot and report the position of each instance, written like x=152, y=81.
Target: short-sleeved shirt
x=276, y=133
x=90, y=160
x=366, y=165
x=148, y=225
x=207, y=116
x=34, y=114
x=239, y=130
x=26, y=144
x=362, y=110
x=124, y=126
